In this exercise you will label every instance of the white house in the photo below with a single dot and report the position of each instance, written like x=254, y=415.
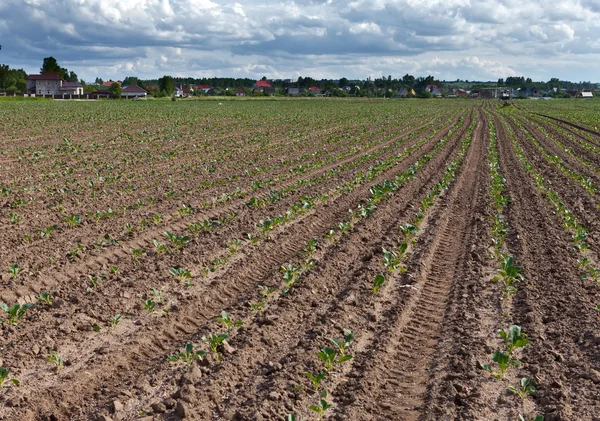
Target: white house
x=50, y=83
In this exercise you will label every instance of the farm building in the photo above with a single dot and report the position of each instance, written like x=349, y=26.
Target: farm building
x=240, y=91
x=586, y=94
x=50, y=83
x=133, y=91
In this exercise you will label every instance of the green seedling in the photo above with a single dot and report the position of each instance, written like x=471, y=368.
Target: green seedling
x=114, y=321
x=504, y=362
x=322, y=406
x=514, y=338
x=160, y=248
x=15, y=312
x=72, y=220
x=329, y=234
x=391, y=261
x=256, y=307
x=214, y=341
x=315, y=379
x=265, y=291
x=181, y=273
x=525, y=388
x=14, y=218
x=149, y=305
x=136, y=254
x=178, y=241
x=56, y=359
x=228, y=321
x=14, y=270
x=234, y=245
x=94, y=280
x=4, y=372
x=187, y=356
x=378, y=282
x=156, y=295
x=327, y=355
x=96, y=328
x=114, y=270
x=45, y=298
x=342, y=344
x=45, y=232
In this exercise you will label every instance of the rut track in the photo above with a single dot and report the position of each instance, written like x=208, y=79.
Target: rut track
x=554, y=307
x=172, y=333
x=400, y=366
x=577, y=126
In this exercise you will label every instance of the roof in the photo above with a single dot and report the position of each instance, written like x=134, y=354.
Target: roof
x=45, y=76
x=72, y=85
x=110, y=82
x=587, y=94
x=314, y=88
x=133, y=89
x=203, y=86
x=263, y=84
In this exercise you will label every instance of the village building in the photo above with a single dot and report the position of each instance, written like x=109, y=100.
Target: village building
x=50, y=83
x=133, y=91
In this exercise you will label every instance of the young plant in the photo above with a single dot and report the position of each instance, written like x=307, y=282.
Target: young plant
x=504, y=362
x=537, y=418
x=136, y=254
x=149, y=305
x=378, y=282
x=265, y=291
x=256, y=307
x=327, y=355
x=391, y=261
x=315, y=379
x=160, y=248
x=114, y=321
x=178, y=241
x=45, y=298
x=322, y=406
x=214, y=341
x=187, y=356
x=15, y=312
x=228, y=321
x=342, y=344
x=4, y=377
x=56, y=359
x=14, y=270
x=525, y=388
x=513, y=338
x=181, y=273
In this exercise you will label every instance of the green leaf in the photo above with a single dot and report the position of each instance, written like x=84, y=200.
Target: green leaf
x=15, y=382
x=344, y=358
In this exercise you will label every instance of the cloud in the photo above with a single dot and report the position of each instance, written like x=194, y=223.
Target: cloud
x=467, y=39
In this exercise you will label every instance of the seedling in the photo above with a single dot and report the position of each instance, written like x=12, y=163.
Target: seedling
x=342, y=344
x=256, y=307
x=513, y=338
x=378, y=282
x=56, y=359
x=149, y=305
x=4, y=377
x=234, y=246
x=14, y=270
x=136, y=254
x=327, y=355
x=265, y=291
x=94, y=280
x=178, y=241
x=72, y=220
x=156, y=295
x=160, y=248
x=181, y=273
x=504, y=362
x=322, y=406
x=214, y=341
x=228, y=321
x=45, y=298
x=114, y=270
x=114, y=321
x=45, y=232
x=15, y=312
x=525, y=388
x=315, y=379
x=391, y=261
x=188, y=355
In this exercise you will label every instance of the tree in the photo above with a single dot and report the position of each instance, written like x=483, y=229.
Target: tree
x=500, y=82
x=98, y=81
x=131, y=80
x=343, y=82
x=408, y=80
x=115, y=89
x=166, y=85
x=50, y=65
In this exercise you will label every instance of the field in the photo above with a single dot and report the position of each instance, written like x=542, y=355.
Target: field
x=233, y=260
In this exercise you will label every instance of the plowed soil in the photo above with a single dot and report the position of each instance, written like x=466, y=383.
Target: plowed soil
x=282, y=214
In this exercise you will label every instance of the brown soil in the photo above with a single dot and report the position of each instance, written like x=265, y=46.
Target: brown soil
x=419, y=340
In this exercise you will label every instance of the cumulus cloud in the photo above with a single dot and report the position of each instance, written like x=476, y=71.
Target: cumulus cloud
x=467, y=39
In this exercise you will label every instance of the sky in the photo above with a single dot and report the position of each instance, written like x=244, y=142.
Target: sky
x=449, y=39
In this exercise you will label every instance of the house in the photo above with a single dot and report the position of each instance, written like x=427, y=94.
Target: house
x=585, y=94
x=202, y=89
x=133, y=91
x=110, y=82
x=178, y=91
x=315, y=90
x=50, y=83
x=405, y=92
x=293, y=91
x=240, y=91
x=262, y=86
